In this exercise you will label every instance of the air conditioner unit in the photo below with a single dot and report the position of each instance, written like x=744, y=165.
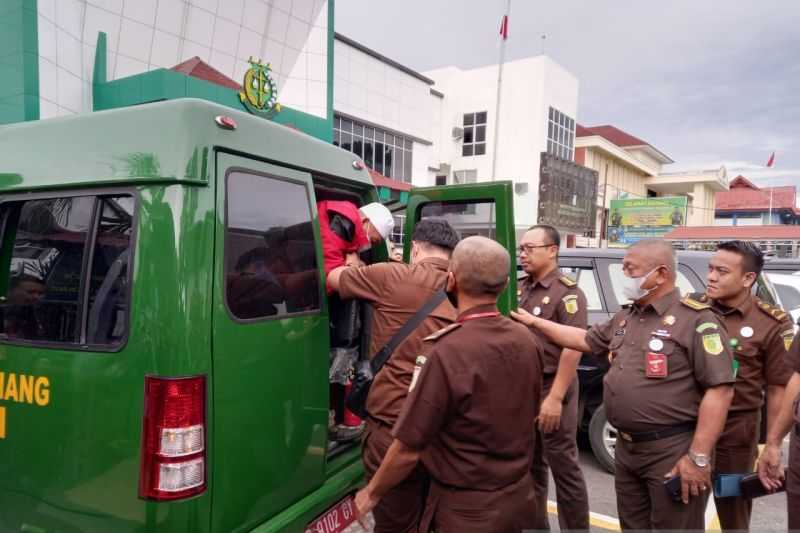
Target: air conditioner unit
x=457, y=132
x=521, y=188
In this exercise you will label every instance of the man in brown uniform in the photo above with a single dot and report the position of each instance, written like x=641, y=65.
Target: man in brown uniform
x=480, y=379
x=769, y=464
x=396, y=291
x=549, y=295
x=760, y=336
x=667, y=391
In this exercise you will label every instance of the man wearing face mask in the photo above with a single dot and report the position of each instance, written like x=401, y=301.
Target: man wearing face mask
x=396, y=291
x=466, y=416
x=667, y=391
x=760, y=339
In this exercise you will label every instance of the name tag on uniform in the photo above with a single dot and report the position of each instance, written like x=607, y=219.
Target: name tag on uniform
x=656, y=365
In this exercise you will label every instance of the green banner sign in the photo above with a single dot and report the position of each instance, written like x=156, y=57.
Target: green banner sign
x=632, y=220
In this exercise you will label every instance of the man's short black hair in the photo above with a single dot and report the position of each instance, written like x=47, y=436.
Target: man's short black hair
x=553, y=237
x=436, y=232
x=752, y=256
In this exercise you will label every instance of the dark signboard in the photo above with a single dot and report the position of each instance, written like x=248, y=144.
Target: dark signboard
x=567, y=195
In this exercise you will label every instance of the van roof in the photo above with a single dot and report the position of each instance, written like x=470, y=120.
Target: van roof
x=167, y=142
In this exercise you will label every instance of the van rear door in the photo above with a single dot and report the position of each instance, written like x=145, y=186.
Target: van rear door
x=270, y=343
x=475, y=209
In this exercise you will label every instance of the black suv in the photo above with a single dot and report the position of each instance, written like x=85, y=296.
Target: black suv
x=598, y=272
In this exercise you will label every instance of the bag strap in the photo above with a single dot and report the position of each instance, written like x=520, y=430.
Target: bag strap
x=384, y=353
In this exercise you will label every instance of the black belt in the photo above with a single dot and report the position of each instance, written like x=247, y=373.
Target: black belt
x=646, y=436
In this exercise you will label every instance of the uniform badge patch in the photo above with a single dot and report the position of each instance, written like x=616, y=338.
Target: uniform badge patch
x=571, y=304
x=788, y=337
x=712, y=343
x=546, y=300
x=704, y=326
x=418, y=364
x=669, y=320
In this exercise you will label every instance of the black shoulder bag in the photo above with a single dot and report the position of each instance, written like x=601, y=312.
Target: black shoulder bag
x=366, y=370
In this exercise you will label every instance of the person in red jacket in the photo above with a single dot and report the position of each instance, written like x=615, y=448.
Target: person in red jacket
x=347, y=230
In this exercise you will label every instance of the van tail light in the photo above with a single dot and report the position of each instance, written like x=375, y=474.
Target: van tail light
x=173, y=462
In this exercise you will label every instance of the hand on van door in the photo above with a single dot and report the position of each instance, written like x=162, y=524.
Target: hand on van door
x=352, y=260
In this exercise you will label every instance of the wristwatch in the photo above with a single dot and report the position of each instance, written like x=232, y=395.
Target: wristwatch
x=700, y=460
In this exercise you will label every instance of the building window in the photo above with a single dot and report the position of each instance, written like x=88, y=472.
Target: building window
x=560, y=135
x=270, y=254
x=461, y=177
x=382, y=150
x=474, y=140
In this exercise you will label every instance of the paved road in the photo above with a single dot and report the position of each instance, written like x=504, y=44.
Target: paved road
x=769, y=513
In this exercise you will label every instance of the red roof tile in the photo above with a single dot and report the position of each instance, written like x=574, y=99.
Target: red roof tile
x=712, y=233
x=740, y=182
x=744, y=198
x=382, y=181
x=611, y=134
x=197, y=68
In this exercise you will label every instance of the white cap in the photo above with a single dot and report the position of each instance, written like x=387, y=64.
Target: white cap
x=380, y=217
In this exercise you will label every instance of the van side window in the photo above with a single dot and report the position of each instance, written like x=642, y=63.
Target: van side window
x=270, y=257
x=108, y=288
x=48, y=276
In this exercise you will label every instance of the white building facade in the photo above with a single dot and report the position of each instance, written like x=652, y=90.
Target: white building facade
x=447, y=117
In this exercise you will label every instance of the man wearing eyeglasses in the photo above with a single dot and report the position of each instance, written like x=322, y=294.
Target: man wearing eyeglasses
x=547, y=294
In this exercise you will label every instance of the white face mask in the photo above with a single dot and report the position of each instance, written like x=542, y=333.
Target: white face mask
x=632, y=287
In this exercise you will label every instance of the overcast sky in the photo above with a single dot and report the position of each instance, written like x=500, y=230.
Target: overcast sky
x=708, y=82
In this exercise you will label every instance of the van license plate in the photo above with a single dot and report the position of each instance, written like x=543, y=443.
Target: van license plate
x=335, y=519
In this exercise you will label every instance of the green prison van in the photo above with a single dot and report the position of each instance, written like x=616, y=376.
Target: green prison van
x=165, y=332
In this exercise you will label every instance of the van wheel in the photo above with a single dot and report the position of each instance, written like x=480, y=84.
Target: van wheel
x=603, y=439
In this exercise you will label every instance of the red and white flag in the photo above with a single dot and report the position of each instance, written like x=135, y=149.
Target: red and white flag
x=504, y=27
x=771, y=160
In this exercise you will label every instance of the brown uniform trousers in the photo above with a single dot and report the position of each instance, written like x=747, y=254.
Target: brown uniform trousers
x=639, y=481
x=401, y=508
x=455, y=510
x=559, y=451
x=558, y=298
x=736, y=453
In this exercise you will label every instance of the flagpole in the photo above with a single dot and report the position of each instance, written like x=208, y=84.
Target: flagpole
x=499, y=87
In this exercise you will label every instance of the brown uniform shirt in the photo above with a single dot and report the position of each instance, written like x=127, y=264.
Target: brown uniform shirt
x=559, y=299
x=663, y=357
x=760, y=336
x=397, y=291
x=473, y=404
x=793, y=355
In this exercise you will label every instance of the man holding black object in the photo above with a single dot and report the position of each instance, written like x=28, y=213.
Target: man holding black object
x=769, y=464
x=667, y=391
x=760, y=336
x=397, y=291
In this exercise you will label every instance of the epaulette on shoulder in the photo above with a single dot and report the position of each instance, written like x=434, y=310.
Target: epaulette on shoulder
x=436, y=335
x=775, y=313
x=568, y=281
x=694, y=304
x=699, y=297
